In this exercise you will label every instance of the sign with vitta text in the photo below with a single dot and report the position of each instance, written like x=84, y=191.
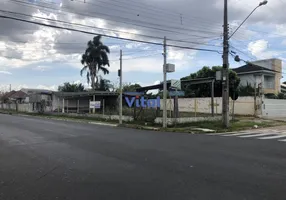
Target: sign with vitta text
x=142, y=102
x=95, y=104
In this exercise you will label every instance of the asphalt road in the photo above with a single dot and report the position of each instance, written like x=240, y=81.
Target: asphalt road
x=45, y=159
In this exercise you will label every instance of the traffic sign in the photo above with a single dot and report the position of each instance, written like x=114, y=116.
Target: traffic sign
x=95, y=104
x=176, y=84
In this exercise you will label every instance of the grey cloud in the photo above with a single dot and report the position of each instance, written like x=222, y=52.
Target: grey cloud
x=13, y=30
x=11, y=53
x=205, y=16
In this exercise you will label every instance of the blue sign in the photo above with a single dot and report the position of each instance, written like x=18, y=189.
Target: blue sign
x=142, y=102
x=176, y=93
x=133, y=93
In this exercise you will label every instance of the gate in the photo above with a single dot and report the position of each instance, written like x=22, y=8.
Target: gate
x=274, y=108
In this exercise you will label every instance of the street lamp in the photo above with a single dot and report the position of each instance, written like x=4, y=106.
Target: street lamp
x=263, y=3
x=225, y=79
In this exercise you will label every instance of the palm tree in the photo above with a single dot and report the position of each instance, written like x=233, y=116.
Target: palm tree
x=104, y=85
x=94, y=60
x=71, y=87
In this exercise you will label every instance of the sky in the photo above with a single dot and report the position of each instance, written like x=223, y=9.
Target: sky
x=37, y=56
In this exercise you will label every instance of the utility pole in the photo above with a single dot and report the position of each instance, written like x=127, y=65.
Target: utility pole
x=120, y=89
x=225, y=75
x=255, y=99
x=165, y=85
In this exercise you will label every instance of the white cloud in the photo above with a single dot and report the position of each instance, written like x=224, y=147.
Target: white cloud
x=77, y=82
x=2, y=46
x=280, y=30
x=257, y=47
x=6, y=87
x=12, y=63
x=41, y=68
x=5, y=72
x=176, y=55
x=260, y=50
x=133, y=45
x=45, y=87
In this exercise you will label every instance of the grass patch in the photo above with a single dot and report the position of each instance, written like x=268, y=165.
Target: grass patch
x=245, y=123
x=217, y=126
x=62, y=116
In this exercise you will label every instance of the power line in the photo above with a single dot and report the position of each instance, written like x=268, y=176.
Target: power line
x=252, y=58
x=115, y=37
x=76, y=24
x=168, y=12
x=157, y=11
x=126, y=20
x=155, y=28
x=148, y=11
x=113, y=60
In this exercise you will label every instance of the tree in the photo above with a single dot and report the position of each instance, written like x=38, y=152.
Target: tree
x=130, y=87
x=94, y=60
x=204, y=90
x=104, y=85
x=246, y=90
x=71, y=87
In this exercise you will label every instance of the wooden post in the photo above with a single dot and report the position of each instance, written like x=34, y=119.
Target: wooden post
x=134, y=113
x=67, y=106
x=233, y=109
x=103, y=106
x=170, y=104
x=176, y=106
x=93, y=110
x=195, y=107
x=78, y=106
x=89, y=110
x=63, y=110
x=212, y=101
x=255, y=94
x=58, y=105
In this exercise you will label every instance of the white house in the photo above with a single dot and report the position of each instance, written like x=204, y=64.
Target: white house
x=268, y=73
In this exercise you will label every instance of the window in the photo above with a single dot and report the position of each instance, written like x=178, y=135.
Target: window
x=269, y=82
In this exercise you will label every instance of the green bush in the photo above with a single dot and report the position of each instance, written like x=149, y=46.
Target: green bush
x=281, y=95
x=271, y=96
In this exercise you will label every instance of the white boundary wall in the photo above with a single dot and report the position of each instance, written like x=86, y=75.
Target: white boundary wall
x=242, y=106
x=26, y=107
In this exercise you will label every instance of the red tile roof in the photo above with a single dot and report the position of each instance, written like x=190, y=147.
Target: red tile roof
x=19, y=95
x=8, y=94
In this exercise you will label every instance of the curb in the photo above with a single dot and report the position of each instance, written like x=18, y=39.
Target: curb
x=139, y=127
x=62, y=119
x=103, y=124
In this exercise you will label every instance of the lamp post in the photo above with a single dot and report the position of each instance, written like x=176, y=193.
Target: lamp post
x=225, y=77
x=263, y=3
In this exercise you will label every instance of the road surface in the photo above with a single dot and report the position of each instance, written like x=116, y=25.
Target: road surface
x=46, y=159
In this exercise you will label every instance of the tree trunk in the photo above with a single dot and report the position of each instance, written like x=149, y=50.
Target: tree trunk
x=92, y=82
x=96, y=83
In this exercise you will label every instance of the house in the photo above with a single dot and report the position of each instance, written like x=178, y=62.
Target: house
x=19, y=97
x=267, y=73
x=79, y=102
x=6, y=97
x=283, y=87
x=37, y=95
